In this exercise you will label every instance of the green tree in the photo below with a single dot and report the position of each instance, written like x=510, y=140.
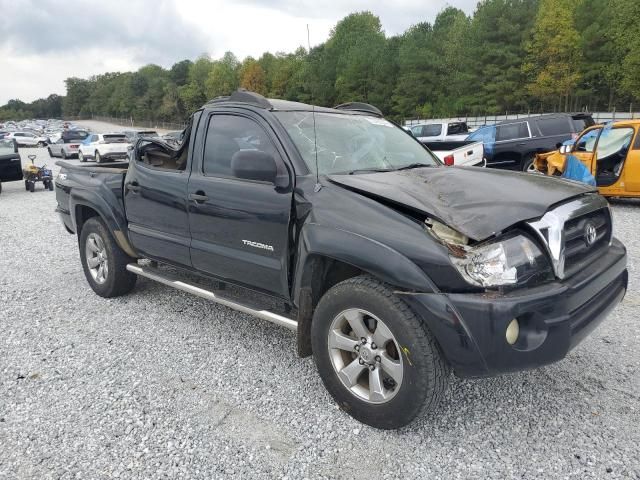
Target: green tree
x=553, y=52
x=223, y=77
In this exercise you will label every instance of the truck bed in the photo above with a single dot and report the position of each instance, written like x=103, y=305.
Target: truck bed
x=88, y=180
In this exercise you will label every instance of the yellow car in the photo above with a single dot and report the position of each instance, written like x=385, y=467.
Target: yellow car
x=610, y=152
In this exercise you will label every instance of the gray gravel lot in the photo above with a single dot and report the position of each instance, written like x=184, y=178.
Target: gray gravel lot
x=159, y=384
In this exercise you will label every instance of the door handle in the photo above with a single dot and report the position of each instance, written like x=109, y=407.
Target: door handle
x=198, y=197
x=133, y=187
x=470, y=152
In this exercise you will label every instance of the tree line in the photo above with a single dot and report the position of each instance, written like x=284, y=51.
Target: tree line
x=509, y=56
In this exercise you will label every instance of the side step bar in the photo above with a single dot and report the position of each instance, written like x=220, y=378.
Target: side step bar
x=174, y=282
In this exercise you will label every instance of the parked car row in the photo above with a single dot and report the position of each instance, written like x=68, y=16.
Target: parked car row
x=510, y=144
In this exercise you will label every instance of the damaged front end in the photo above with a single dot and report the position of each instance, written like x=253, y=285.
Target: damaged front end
x=509, y=260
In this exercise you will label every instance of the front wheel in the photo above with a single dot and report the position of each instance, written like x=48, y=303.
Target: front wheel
x=31, y=186
x=81, y=156
x=374, y=355
x=103, y=261
x=63, y=154
x=98, y=157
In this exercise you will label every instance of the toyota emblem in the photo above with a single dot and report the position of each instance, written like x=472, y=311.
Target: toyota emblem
x=590, y=234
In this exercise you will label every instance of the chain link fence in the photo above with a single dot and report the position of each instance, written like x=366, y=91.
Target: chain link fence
x=479, y=121
x=133, y=122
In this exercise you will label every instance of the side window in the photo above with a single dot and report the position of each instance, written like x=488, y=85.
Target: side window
x=613, y=140
x=417, y=131
x=227, y=135
x=554, y=126
x=94, y=138
x=512, y=131
x=18, y=134
x=432, y=130
x=587, y=141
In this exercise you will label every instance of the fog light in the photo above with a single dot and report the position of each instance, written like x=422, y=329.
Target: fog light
x=513, y=331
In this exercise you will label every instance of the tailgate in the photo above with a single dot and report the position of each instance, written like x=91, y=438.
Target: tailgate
x=469, y=155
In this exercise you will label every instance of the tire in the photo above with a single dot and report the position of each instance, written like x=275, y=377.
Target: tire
x=32, y=186
x=98, y=157
x=49, y=151
x=26, y=185
x=527, y=164
x=81, y=156
x=412, y=379
x=97, y=245
x=41, y=144
x=0, y=187
x=50, y=186
x=63, y=154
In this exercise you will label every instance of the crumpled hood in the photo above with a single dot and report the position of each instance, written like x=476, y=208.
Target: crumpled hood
x=477, y=202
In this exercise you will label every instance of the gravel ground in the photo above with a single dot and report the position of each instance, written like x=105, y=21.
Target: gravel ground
x=160, y=384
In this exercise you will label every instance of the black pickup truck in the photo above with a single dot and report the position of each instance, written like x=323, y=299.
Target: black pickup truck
x=392, y=269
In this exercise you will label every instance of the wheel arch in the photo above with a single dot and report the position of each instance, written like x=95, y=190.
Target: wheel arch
x=329, y=256
x=84, y=206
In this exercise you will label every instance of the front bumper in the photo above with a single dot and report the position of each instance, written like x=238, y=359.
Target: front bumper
x=553, y=318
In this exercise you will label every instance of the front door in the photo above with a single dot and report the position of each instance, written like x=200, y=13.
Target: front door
x=585, y=146
x=239, y=228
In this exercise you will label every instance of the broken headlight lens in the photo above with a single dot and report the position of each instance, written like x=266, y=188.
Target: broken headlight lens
x=514, y=260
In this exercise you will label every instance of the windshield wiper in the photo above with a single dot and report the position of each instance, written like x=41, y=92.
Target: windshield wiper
x=415, y=165
x=369, y=170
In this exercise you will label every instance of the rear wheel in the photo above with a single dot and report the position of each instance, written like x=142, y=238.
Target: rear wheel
x=374, y=355
x=98, y=157
x=527, y=165
x=81, y=156
x=103, y=261
x=63, y=154
x=50, y=185
x=42, y=144
x=31, y=186
x=49, y=151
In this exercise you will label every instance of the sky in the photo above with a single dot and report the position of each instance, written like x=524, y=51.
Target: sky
x=43, y=42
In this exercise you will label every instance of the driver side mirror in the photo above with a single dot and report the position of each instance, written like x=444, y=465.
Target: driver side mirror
x=565, y=149
x=254, y=165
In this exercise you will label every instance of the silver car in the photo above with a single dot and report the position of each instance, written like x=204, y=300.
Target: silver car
x=68, y=145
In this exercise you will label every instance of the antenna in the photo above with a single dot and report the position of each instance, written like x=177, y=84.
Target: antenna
x=313, y=113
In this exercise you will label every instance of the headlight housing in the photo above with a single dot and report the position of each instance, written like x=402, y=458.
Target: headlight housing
x=513, y=260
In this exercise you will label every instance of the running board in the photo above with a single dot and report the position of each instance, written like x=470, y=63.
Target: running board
x=175, y=282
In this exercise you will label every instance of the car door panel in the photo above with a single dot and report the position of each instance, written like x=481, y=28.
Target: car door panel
x=239, y=228
x=156, y=206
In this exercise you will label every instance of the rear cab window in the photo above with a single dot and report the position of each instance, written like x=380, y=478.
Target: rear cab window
x=512, y=131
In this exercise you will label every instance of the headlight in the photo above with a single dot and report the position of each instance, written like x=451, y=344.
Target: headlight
x=513, y=260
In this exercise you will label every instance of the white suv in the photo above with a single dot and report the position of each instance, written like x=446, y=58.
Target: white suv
x=28, y=139
x=103, y=147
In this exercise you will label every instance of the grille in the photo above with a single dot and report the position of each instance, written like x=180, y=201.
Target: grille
x=575, y=232
x=577, y=251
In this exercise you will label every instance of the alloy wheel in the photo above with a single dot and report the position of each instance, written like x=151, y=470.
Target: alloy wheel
x=97, y=261
x=365, y=355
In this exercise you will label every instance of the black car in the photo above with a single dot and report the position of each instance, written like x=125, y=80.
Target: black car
x=391, y=268
x=513, y=144
x=10, y=165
